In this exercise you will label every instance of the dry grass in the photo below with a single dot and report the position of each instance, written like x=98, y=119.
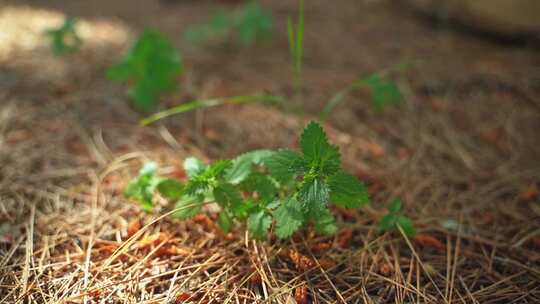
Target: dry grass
x=466, y=166
x=66, y=234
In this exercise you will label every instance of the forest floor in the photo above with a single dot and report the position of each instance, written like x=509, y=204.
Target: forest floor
x=462, y=152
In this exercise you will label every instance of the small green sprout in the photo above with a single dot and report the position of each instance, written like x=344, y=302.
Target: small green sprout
x=384, y=93
x=64, y=39
x=250, y=24
x=295, y=33
x=280, y=191
x=143, y=187
x=152, y=66
x=393, y=219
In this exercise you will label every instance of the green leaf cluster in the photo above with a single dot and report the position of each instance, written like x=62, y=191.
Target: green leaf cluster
x=280, y=191
x=394, y=219
x=64, y=39
x=384, y=92
x=143, y=187
x=249, y=24
x=151, y=66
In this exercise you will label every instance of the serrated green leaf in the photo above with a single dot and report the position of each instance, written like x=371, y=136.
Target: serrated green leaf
x=347, y=191
x=395, y=206
x=207, y=179
x=331, y=161
x=313, y=142
x=314, y=195
x=197, y=186
x=152, y=66
x=318, y=153
x=243, y=165
x=289, y=218
x=190, y=206
x=258, y=224
x=273, y=205
x=218, y=168
x=225, y=222
x=170, y=189
x=388, y=222
x=242, y=210
x=260, y=184
x=193, y=166
x=406, y=224
x=284, y=165
x=227, y=196
x=326, y=223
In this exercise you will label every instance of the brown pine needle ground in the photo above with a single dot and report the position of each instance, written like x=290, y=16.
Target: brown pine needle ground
x=467, y=167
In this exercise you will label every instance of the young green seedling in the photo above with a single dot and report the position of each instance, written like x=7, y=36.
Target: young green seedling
x=151, y=66
x=143, y=187
x=384, y=93
x=250, y=24
x=64, y=39
x=295, y=34
x=393, y=219
x=281, y=191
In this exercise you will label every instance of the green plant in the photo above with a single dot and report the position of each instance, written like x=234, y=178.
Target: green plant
x=394, y=219
x=295, y=33
x=282, y=189
x=208, y=103
x=64, y=39
x=384, y=93
x=151, y=66
x=250, y=24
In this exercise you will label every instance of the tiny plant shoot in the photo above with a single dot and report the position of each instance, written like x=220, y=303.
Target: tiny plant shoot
x=152, y=67
x=250, y=24
x=384, y=93
x=279, y=191
x=64, y=39
x=394, y=219
x=295, y=33
x=208, y=103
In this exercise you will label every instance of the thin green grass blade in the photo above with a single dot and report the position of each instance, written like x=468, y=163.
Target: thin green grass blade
x=290, y=34
x=359, y=83
x=339, y=97
x=300, y=38
x=208, y=103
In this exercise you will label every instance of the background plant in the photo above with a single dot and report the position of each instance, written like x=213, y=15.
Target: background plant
x=208, y=103
x=283, y=189
x=249, y=24
x=394, y=219
x=151, y=66
x=384, y=93
x=64, y=39
x=295, y=33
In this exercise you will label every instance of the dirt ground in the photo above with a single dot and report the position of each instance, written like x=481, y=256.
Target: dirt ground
x=462, y=152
